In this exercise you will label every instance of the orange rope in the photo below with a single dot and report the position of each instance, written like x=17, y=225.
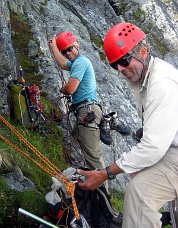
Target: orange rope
x=52, y=170
x=70, y=189
x=35, y=150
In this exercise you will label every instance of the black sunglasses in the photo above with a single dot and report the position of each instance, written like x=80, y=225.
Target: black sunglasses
x=124, y=61
x=69, y=49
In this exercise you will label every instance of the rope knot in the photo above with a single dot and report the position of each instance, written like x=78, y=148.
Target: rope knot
x=70, y=189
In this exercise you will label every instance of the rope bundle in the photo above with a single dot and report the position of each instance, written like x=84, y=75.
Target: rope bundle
x=52, y=169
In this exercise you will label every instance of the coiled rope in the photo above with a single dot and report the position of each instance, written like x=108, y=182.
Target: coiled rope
x=52, y=169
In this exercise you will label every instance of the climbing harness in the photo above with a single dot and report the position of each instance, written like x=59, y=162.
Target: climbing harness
x=50, y=169
x=88, y=120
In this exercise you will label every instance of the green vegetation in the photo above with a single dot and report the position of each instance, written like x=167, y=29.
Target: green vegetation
x=20, y=39
x=5, y=201
x=160, y=45
x=137, y=18
x=138, y=14
x=45, y=3
x=117, y=200
x=99, y=43
x=49, y=144
x=11, y=201
x=51, y=148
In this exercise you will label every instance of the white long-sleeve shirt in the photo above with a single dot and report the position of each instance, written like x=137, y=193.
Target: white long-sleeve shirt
x=158, y=95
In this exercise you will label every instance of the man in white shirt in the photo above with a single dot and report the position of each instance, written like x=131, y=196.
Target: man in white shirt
x=153, y=163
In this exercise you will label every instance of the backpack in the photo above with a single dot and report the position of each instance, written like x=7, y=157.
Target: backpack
x=19, y=109
x=92, y=206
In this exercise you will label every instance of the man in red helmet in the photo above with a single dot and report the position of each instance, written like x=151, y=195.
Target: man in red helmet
x=153, y=163
x=82, y=87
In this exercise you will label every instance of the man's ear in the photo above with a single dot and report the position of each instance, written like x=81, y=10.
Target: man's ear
x=143, y=52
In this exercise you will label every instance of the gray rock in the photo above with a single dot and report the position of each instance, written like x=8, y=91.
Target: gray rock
x=17, y=181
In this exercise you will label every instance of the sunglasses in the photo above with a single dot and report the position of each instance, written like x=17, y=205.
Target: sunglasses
x=69, y=49
x=124, y=61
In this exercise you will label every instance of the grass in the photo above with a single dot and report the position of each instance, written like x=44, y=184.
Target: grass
x=32, y=201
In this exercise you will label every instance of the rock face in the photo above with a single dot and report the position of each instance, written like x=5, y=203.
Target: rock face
x=17, y=181
x=89, y=21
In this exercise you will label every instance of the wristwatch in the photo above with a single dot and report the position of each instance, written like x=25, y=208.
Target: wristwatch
x=111, y=176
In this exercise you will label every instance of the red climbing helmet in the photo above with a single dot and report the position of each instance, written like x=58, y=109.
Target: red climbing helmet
x=64, y=40
x=121, y=39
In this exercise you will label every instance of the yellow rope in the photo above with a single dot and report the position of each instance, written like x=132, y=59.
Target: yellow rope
x=52, y=170
x=35, y=150
x=70, y=189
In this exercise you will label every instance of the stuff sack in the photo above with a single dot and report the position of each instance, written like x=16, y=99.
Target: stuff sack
x=92, y=206
x=59, y=208
x=18, y=103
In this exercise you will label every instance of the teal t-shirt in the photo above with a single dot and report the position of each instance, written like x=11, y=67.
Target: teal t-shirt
x=82, y=69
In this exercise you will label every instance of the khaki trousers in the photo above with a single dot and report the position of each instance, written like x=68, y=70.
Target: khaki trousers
x=149, y=190
x=90, y=137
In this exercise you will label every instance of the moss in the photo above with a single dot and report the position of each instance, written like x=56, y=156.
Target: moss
x=8, y=204
x=31, y=201
x=41, y=10
x=138, y=14
x=123, y=7
x=45, y=3
x=35, y=79
x=148, y=28
x=22, y=34
x=117, y=200
x=97, y=41
x=102, y=56
x=50, y=109
x=160, y=45
x=4, y=200
x=11, y=201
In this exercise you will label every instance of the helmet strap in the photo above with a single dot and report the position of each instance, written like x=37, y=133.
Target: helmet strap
x=144, y=63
